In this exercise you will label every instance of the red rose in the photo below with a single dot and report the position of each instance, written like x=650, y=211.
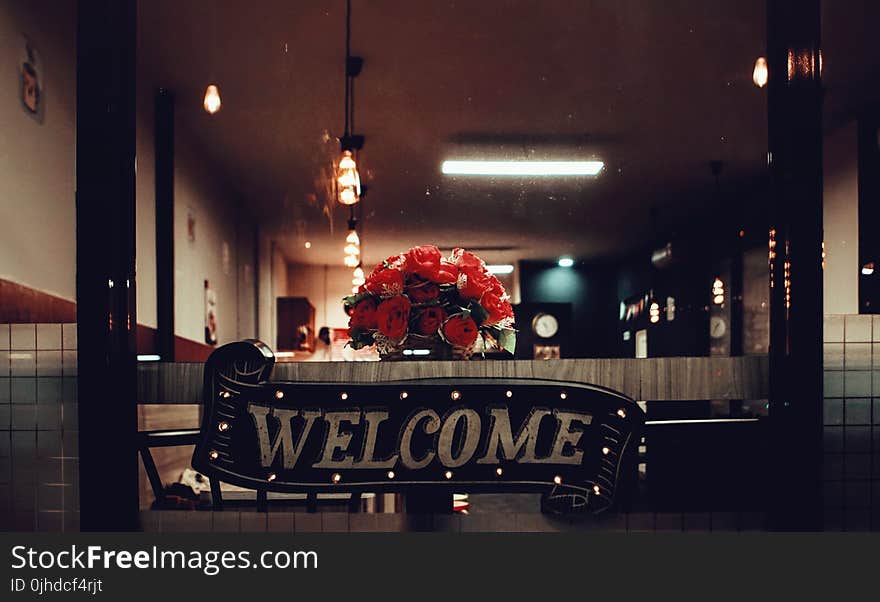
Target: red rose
x=363, y=314
x=422, y=291
x=447, y=273
x=392, y=317
x=473, y=283
x=430, y=320
x=466, y=259
x=384, y=282
x=424, y=261
x=397, y=262
x=496, y=285
x=498, y=309
x=460, y=331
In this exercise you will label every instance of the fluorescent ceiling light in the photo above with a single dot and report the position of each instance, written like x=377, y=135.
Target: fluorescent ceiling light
x=500, y=269
x=565, y=262
x=522, y=168
x=416, y=352
x=148, y=358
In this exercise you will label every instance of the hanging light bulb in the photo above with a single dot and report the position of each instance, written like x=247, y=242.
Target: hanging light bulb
x=759, y=75
x=718, y=291
x=348, y=181
x=654, y=312
x=358, y=276
x=212, y=99
x=352, y=247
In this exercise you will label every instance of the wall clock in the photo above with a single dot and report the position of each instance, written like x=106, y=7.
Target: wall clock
x=545, y=325
x=717, y=327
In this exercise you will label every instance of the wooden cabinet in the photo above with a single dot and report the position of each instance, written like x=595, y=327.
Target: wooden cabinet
x=296, y=324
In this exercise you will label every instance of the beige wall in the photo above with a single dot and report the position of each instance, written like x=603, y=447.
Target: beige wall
x=324, y=286
x=841, y=221
x=272, y=278
x=37, y=187
x=37, y=160
x=145, y=191
x=200, y=193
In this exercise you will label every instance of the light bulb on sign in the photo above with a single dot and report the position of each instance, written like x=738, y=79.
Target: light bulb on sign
x=358, y=276
x=351, y=261
x=353, y=237
x=212, y=99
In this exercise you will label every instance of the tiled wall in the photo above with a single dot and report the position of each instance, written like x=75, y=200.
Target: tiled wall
x=852, y=422
x=39, y=480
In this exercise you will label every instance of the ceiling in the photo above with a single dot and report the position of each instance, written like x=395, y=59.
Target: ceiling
x=654, y=89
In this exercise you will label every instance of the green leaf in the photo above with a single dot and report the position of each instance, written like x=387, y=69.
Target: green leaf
x=477, y=312
x=352, y=300
x=507, y=340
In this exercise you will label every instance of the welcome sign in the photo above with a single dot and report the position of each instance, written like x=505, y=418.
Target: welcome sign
x=573, y=442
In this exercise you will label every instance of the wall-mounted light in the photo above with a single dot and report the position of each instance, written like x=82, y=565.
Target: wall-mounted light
x=500, y=269
x=868, y=269
x=212, y=99
x=522, y=168
x=565, y=262
x=760, y=73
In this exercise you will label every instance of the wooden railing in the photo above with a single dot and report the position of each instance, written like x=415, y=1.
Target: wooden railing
x=654, y=379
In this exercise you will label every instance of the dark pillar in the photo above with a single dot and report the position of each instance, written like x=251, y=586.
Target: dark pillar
x=164, y=151
x=105, y=276
x=795, y=135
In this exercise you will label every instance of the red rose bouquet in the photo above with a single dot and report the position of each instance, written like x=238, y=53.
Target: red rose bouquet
x=420, y=299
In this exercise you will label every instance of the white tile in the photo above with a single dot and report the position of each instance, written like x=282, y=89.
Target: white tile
x=4, y=336
x=48, y=336
x=833, y=328
x=858, y=329
x=833, y=356
x=48, y=363
x=876, y=335
x=857, y=356
x=24, y=390
x=23, y=336
x=23, y=363
x=68, y=336
x=833, y=383
x=857, y=384
x=4, y=363
x=68, y=362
